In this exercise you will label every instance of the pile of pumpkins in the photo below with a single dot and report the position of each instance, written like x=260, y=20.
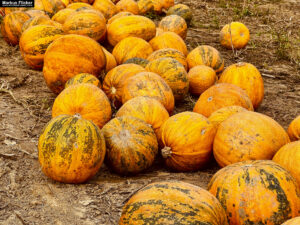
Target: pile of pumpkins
x=143, y=70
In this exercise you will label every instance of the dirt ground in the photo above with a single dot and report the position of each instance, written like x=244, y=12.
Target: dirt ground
x=27, y=196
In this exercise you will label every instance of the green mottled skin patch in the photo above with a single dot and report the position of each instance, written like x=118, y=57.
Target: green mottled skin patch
x=139, y=61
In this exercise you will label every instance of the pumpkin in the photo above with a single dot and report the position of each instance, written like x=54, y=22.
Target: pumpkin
x=147, y=109
x=118, y=15
x=130, y=26
x=35, y=41
x=187, y=138
x=181, y=10
x=173, y=202
x=171, y=53
x=234, y=35
x=69, y=55
x=62, y=15
x=201, y=78
x=139, y=61
x=131, y=47
x=78, y=5
x=169, y=40
x=173, y=73
x=106, y=7
x=83, y=1
x=206, y=55
x=110, y=60
x=115, y=80
x=49, y=6
x=294, y=221
x=34, y=13
x=128, y=6
x=83, y=78
x=40, y=20
x=256, y=192
x=294, y=129
x=157, y=6
x=174, y=24
x=8, y=10
x=71, y=149
x=11, y=26
x=288, y=156
x=66, y=2
x=151, y=85
x=248, y=136
x=131, y=145
x=145, y=6
x=86, y=99
x=247, y=77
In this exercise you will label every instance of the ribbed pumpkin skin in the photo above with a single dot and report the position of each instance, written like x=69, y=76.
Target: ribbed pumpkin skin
x=234, y=35
x=294, y=129
x=78, y=5
x=106, y=7
x=187, y=138
x=131, y=145
x=69, y=55
x=62, y=15
x=40, y=20
x=131, y=47
x=171, y=53
x=151, y=85
x=173, y=202
x=139, y=61
x=294, y=221
x=11, y=26
x=128, y=6
x=219, y=96
x=248, y=136
x=83, y=78
x=201, y=78
x=130, y=26
x=118, y=15
x=206, y=55
x=256, y=192
x=116, y=78
x=145, y=6
x=71, y=149
x=147, y=109
x=169, y=40
x=49, y=6
x=288, y=157
x=86, y=99
x=110, y=60
x=35, y=41
x=34, y=13
x=247, y=77
x=173, y=73
x=181, y=10
x=174, y=24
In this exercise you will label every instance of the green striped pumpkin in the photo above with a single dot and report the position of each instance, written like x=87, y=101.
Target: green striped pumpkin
x=181, y=10
x=83, y=78
x=139, y=61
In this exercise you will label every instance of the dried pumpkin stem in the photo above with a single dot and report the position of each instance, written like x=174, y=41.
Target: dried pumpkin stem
x=166, y=152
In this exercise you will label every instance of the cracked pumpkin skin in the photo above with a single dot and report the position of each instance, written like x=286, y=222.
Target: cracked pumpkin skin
x=235, y=33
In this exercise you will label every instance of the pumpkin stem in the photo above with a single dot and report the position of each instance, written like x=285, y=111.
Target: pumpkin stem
x=113, y=90
x=77, y=115
x=166, y=152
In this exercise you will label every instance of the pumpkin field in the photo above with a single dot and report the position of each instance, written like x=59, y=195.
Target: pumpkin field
x=161, y=146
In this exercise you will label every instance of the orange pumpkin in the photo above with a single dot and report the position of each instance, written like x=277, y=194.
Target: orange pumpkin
x=8, y=10
x=78, y=5
x=71, y=149
x=234, y=35
x=83, y=1
x=62, y=15
x=118, y=15
x=247, y=77
x=83, y=78
x=181, y=10
x=151, y=85
x=169, y=40
x=139, y=61
x=294, y=129
x=187, y=138
x=256, y=192
x=294, y=221
x=131, y=47
x=131, y=145
x=40, y=20
x=145, y=6
x=248, y=136
x=201, y=78
x=110, y=60
x=34, y=13
x=86, y=99
x=173, y=73
x=49, y=6
x=128, y=6
x=206, y=55
x=175, y=24
x=66, y=2
x=106, y=7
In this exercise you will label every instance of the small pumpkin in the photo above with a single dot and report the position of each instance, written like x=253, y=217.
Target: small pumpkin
x=151, y=85
x=234, y=35
x=83, y=78
x=40, y=20
x=128, y=6
x=86, y=99
x=78, y=5
x=293, y=221
x=139, y=61
x=49, y=6
x=174, y=24
x=294, y=129
x=181, y=10
x=110, y=60
x=106, y=7
x=256, y=192
x=187, y=138
x=118, y=15
x=173, y=202
x=248, y=136
x=131, y=47
x=206, y=55
x=222, y=95
x=131, y=145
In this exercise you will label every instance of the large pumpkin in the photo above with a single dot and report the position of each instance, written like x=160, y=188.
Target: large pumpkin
x=222, y=95
x=173, y=73
x=138, y=61
x=248, y=136
x=206, y=55
x=40, y=20
x=181, y=10
x=85, y=99
x=234, y=35
x=247, y=77
x=187, y=138
x=118, y=15
x=151, y=85
x=71, y=149
x=110, y=60
x=131, y=145
x=106, y=7
x=294, y=129
x=173, y=202
x=130, y=26
x=69, y=55
x=294, y=221
x=49, y=6
x=128, y=6
x=256, y=192
x=83, y=78
x=131, y=47
x=175, y=24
